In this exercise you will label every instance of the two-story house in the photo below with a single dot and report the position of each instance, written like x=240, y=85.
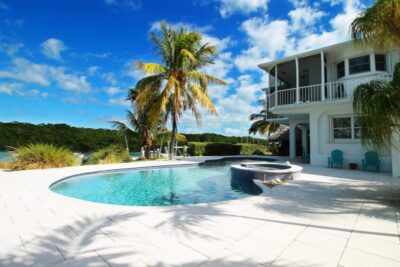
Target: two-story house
x=313, y=91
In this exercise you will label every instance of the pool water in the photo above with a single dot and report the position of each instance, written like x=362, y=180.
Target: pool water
x=158, y=187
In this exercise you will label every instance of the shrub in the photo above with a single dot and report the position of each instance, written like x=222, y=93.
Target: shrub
x=253, y=149
x=41, y=156
x=224, y=149
x=4, y=165
x=108, y=155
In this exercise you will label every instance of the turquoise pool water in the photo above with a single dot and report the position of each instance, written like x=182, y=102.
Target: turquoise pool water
x=158, y=187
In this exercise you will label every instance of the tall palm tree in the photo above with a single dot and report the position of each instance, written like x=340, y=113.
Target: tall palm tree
x=261, y=125
x=137, y=122
x=177, y=81
x=378, y=25
x=377, y=103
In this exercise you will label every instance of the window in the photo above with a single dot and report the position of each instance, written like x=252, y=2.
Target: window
x=346, y=128
x=380, y=62
x=359, y=64
x=340, y=70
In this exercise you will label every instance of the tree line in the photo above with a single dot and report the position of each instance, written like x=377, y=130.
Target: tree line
x=88, y=139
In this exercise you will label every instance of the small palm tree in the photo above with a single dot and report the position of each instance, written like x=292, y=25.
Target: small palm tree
x=176, y=82
x=261, y=125
x=378, y=25
x=137, y=122
x=378, y=105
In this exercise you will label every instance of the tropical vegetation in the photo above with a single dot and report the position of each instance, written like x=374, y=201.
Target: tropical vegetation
x=220, y=149
x=109, y=155
x=378, y=25
x=138, y=122
x=17, y=134
x=41, y=156
x=377, y=103
x=260, y=123
x=176, y=84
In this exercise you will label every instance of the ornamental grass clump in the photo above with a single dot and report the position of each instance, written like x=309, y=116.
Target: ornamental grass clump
x=108, y=155
x=41, y=156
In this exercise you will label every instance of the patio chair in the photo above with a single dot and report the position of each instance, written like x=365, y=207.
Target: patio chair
x=371, y=160
x=336, y=159
x=305, y=158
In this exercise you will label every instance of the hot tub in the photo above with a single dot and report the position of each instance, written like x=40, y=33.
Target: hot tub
x=266, y=170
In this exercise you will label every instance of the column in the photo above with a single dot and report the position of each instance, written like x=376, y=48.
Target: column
x=372, y=62
x=297, y=81
x=304, y=138
x=292, y=140
x=322, y=76
x=276, y=85
x=396, y=155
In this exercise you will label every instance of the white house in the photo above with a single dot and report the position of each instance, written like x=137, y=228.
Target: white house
x=313, y=90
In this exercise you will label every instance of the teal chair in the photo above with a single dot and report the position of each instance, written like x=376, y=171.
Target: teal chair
x=371, y=160
x=305, y=158
x=336, y=159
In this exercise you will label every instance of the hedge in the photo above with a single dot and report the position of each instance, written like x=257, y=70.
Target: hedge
x=224, y=149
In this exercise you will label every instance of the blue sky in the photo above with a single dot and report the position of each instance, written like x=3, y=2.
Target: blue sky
x=71, y=61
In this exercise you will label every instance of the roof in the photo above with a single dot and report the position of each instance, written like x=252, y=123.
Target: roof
x=270, y=64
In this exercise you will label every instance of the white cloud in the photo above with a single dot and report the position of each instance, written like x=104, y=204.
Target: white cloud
x=270, y=39
x=113, y=90
x=53, y=48
x=92, y=70
x=11, y=48
x=9, y=88
x=29, y=72
x=17, y=89
x=132, y=4
x=120, y=101
x=109, y=77
x=229, y=7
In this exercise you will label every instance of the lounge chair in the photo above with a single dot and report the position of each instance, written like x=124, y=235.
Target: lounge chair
x=336, y=159
x=371, y=160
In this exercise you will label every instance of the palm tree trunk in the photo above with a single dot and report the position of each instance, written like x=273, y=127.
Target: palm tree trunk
x=173, y=136
x=126, y=143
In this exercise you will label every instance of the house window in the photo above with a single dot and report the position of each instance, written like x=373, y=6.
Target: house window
x=340, y=70
x=346, y=128
x=359, y=64
x=380, y=62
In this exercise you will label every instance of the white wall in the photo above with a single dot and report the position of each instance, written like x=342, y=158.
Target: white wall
x=321, y=144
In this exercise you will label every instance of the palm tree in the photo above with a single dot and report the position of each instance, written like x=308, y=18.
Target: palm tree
x=137, y=122
x=177, y=82
x=377, y=103
x=378, y=25
x=261, y=125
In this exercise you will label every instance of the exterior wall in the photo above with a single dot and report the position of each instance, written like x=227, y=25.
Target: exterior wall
x=321, y=144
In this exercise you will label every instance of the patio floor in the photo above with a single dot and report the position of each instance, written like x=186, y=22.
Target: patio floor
x=326, y=218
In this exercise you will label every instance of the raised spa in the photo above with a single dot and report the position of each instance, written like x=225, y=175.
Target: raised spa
x=265, y=170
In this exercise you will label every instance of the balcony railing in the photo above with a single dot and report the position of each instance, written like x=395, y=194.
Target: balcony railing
x=332, y=91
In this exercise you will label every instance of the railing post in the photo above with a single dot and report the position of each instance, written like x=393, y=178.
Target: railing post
x=297, y=81
x=322, y=76
x=276, y=85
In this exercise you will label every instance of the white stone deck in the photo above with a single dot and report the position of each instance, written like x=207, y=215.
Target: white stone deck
x=325, y=218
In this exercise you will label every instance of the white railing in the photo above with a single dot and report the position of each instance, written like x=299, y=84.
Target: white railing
x=342, y=89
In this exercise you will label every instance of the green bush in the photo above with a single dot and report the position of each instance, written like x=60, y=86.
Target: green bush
x=4, y=165
x=253, y=149
x=108, y=155
x=41, y=156
x=225, y=149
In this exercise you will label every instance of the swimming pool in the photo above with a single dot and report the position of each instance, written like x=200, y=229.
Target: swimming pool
x=165, y=186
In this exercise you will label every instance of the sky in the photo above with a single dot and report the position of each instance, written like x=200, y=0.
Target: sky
x=71, y=61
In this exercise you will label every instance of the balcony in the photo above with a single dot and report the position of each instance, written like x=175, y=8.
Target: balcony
x=332, y=91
